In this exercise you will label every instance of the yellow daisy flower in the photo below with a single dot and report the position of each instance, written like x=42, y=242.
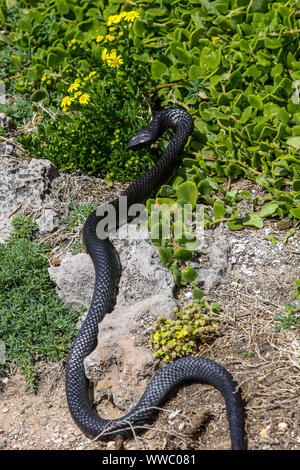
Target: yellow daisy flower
x=99, y=38
x=66, y=101
x=84, y=99
x=104, y=55
x=44, y=78
x=113, y=19
x=110, y=37
x=74, y=86
x=77, y=94
x=113, y=60
x=131, y=15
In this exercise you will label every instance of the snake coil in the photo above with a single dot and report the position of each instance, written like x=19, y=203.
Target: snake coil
x=107, y=273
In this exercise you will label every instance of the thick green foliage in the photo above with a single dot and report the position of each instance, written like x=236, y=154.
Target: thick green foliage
x=34, y=323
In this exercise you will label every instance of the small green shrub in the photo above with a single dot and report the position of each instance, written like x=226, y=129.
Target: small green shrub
x=291, y=318
x=78, y=214
x=34, y=323
x=91, y=131
x=196, y=323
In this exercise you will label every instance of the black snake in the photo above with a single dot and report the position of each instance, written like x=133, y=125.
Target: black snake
x=107, y=271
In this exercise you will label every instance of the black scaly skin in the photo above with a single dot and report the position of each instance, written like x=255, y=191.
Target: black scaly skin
x=107, y=269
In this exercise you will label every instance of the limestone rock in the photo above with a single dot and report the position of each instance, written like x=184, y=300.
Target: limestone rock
x=74, y=279
x=23, y=184
x=6, y=122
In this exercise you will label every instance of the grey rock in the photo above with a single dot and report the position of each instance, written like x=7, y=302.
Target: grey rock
x=6, y=149
x=6, y=121
x=23, y=185
x=48, y=221
x=74, y=279
x=212, y=261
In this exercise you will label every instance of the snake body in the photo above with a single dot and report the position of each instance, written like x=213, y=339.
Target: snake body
x=107, y=273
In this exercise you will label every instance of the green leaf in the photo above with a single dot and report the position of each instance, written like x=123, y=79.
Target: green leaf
x=40, y=95
x=188, y=275
x=295, y=212
x=183, y=255
x=25, y=25
x=166, y=255
x=253, y=219
x=197, y=293
x=188, y=193
x=219, y=210
x=158, y=69
x=62, y=7
x=294, y=142
x=268, y=209
x=210, y=59
x=234, y=225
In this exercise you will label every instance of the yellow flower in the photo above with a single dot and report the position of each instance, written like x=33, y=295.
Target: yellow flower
x=110, y=38
x=131, y=15
x=92, y=74
x=104, y=55
x=44, y=78
x=113, y=60
x=73, y=41
x=74, y=86
x=156, y=337
x=112, y=29
x=66, y=101
x=182, y=333
x=121, y=33
x=84, y=99
x=48, y=82
x=113, y=19
x=99, y=38
x=77, y=94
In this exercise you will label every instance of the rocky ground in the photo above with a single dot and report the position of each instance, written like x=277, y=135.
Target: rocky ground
x=250, y=277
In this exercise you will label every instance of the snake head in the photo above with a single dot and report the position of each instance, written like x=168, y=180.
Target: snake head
x=141, y=139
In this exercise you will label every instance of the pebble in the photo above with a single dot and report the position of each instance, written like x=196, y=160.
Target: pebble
x=2, y=444
x=282, y=426
x=181, y=426
x=188, y=295
x=110, y=445
x=5, y=410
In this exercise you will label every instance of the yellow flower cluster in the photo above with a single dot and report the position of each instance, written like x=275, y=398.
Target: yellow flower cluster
x=83, y=98
x=112, y=59
x=46, y=79
x=128, y=16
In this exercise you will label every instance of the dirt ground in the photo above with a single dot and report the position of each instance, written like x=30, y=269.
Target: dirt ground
x=263, y=361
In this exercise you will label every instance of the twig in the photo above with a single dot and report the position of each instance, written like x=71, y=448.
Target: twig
x=14, y=211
